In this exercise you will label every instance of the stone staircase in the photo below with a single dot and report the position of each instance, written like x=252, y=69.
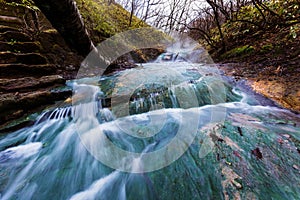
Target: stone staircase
x=29, y=72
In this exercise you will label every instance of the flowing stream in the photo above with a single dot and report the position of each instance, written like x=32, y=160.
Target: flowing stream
x=161, y=131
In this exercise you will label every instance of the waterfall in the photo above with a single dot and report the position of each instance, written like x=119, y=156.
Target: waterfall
x=20, y=152
x=179, y=141
x=172, y=95
x=97, y=188
x=82, y=108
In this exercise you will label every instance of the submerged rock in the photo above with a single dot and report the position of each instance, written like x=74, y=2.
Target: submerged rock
x=257, y=153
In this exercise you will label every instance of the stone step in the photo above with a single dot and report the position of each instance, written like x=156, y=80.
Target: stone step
x=11, y=21
x=14, y=36
x=23, y=70
x=4, y=28
x=22, y=58
x=13, y=10
x=17, y=15
x=26, y=84
x=14, y=105
x=20, y=47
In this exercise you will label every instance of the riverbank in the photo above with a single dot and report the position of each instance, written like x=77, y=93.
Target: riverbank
x=261, y=45
x=271, y=82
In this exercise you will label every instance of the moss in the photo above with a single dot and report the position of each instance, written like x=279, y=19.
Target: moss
x=22, y=3
x=239, y=51
x=104, y=20
x=266, y=48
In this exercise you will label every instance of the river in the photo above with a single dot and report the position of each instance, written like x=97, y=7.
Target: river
x=159, y=131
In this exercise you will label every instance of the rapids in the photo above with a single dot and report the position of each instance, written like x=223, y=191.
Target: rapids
x=161, y=131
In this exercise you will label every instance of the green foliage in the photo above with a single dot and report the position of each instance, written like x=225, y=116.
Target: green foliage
x=287, y=10
x=274, y=16
x=278, y=12
x=294, y=31
x=26, y=3
x=239, y=51
x=250, y=13
x=104, y=20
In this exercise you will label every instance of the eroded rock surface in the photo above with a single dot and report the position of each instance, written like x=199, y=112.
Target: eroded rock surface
x=34, y=60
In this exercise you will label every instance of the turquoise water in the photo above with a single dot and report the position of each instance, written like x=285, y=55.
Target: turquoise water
x=170, y=131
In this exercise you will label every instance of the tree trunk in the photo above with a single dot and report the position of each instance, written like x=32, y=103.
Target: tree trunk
x=217, y=20
x=131, y=12
x=65, y=17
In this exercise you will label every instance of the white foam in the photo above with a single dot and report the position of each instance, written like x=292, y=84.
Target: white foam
x=22, y=151
x=95, y=188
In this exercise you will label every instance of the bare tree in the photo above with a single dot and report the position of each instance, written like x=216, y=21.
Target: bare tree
x=164, y=14
x=133, y=7
x=216, y=11
x=146, y=10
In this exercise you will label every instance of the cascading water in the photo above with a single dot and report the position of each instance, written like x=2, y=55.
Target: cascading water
x=222, y=144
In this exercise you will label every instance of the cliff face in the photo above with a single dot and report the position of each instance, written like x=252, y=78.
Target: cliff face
x=34, y=60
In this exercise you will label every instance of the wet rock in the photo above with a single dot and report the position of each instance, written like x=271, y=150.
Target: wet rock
x=286, y=136
x=241, y=120
x=21, y=70
x=215, y=138
x=14, y=36
x=11, y=21
x=4, y=28
x=228, y=163
x=70, y=68
x=29, y=83
x=240, y=131
x=236, y=183
x=237, y=154
x=13, y=9
x=296, y=167
x=21, y=47
x=280, y=140
x=23, y=58
x=120, y=64
x=145, y=55
x=232, y=179
x=11, y=103
x=257, y=153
